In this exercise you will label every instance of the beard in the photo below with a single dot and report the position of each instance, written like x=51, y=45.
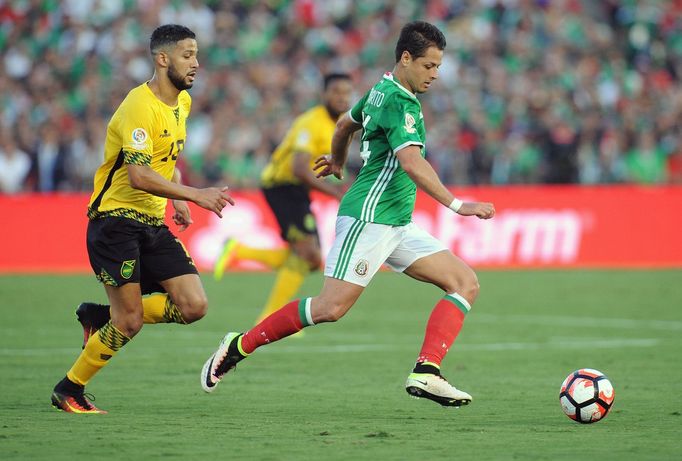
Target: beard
x=177, y=80
x=334, y=114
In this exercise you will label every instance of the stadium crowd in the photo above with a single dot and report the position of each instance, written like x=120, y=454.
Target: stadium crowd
x=530, y=91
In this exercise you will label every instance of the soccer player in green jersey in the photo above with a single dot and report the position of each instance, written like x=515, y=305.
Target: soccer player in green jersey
x=374, y=224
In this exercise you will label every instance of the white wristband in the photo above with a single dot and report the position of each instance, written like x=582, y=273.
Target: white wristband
x=456, y=205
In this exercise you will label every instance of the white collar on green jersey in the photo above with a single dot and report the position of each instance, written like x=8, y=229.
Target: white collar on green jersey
x=389, y=76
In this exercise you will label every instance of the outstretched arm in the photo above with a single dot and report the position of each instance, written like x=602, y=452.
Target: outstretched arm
x=301, y=167
x=422, y=173
x=343, y=134
x=144, y=178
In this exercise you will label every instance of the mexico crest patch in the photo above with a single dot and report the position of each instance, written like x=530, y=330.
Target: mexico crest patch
x=362, y=267
x=409, y=123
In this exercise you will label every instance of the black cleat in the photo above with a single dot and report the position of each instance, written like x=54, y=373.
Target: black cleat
x=92, y=317
x=71, y=398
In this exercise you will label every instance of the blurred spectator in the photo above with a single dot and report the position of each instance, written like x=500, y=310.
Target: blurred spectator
x=51, y=159
x=675, y=163
x=560, y=151
x=212, y=166
x=646, y=162
x=14, y=165
x=562, y=91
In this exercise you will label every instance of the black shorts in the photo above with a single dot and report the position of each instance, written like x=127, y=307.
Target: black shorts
x=123, y=250
x=291, y=205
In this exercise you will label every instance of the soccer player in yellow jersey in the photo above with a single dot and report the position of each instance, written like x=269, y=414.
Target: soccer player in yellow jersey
x=286, y=182
x=131, y=250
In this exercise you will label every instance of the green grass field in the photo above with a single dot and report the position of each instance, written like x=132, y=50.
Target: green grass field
x=337, y=393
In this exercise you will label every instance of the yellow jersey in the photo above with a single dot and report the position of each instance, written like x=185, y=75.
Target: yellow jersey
x=142, y=131
x=310, y=133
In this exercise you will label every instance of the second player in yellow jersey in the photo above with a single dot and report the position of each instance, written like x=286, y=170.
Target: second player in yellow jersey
x=310, y=136
x=286, y=183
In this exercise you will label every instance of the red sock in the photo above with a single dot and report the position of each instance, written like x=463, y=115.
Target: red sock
x=280, y=324
x=443, y=327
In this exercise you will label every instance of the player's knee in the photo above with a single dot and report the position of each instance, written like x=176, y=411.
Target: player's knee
x=466, y=286
x=310, y=257
x=469, y=289
x=314, y=261
x=129, y=325
x=330, y=315
x=331, y=312
x=193, y=307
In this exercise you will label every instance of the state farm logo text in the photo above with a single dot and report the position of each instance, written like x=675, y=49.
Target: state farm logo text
x=522, y=236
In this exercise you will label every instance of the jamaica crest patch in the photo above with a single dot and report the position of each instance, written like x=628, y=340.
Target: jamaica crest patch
x=127, y=268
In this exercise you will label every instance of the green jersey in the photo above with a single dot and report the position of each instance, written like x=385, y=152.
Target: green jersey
x=391, y=119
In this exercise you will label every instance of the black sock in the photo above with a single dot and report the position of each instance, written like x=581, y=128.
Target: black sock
x=421, y=367
x=69, y=387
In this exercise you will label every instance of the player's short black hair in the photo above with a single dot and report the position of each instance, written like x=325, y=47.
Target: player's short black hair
x=168, y=34
x=330, y=78
x=416, y=37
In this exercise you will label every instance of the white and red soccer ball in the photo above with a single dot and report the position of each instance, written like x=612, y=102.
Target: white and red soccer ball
x=586, y=396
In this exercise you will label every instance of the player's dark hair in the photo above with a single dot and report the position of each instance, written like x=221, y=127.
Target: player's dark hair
x=416, y=37
x=168, y=34
x=331, y=78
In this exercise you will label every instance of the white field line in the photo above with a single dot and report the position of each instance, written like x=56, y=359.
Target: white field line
x=555, y=343
x=543, y=320
x=584, y=322
x=558, y=344
x=515, y=346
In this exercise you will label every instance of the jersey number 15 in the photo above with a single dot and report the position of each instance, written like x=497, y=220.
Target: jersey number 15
x=174, y=156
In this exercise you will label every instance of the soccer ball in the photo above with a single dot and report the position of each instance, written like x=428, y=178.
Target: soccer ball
x=586, y=396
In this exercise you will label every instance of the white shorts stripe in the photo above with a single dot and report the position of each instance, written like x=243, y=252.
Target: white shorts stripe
x=347, y=248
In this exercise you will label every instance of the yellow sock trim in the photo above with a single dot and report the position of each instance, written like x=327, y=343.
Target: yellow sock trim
x=274, y=258
x=112, y=337
x=171, y=313
x=102, y=346
x=289, y=279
